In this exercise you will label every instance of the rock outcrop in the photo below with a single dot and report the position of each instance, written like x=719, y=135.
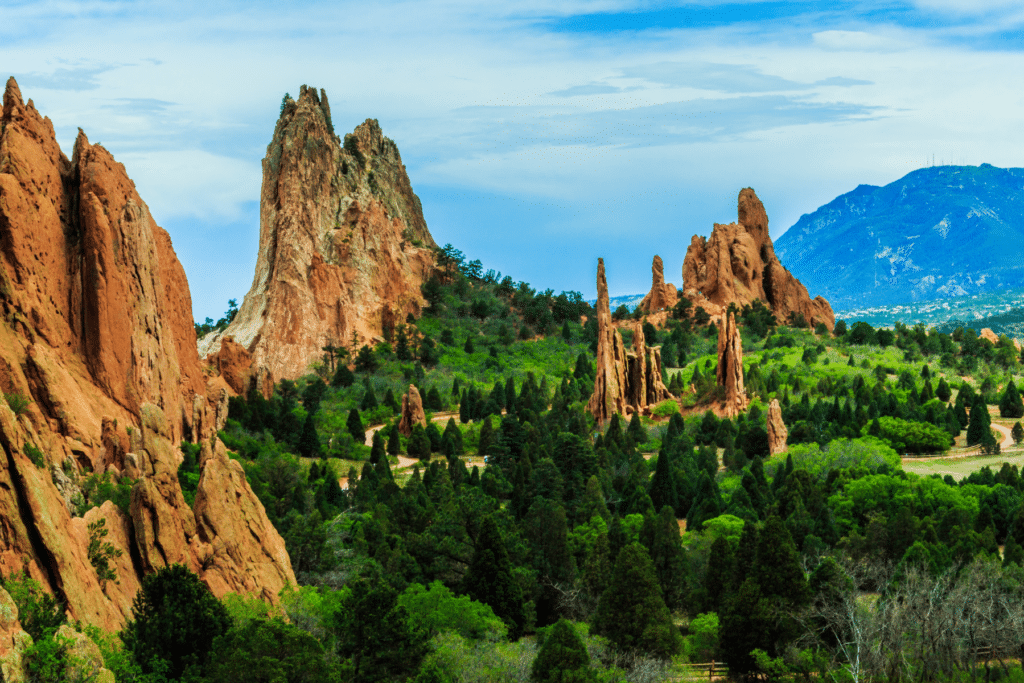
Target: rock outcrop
x=343, y=247
x=412, y=411
x=234, y=364
x=662, y=295
x=627, y=381
x=99, y=369
x=730, y=367
x=737, y=264
x=777, y=432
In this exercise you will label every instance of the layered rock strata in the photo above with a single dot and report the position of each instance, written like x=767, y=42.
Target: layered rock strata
x=412, y=411
x=730, y=367
x=343, y=246
x=777, y=432
x=627, y=381
x=737, y=264
x=99, y=371
x=662, y=295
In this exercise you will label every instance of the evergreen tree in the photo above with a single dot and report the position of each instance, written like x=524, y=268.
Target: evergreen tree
x=309, y=442
x=563, y=656
x=980, y=422
x=489, y=578
x=636, y=431
x=745, y=624
x=394, y=441
x=1012, y=552
x=1011, y=405
x=419, y=443
x=369, y=401
x=343, y=377
x=717, y=583
x=434, y=436
x=942, y=391
x=486, y=436
x=378, y=451
x=469, y=347
x=451, y=440
x=1017, y=432
x=355, y=426
x=663, y=483
x=510, y=395
x=666, y=550
x=632, y=613
x=455, y=388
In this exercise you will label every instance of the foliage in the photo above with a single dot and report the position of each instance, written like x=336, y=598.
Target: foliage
x=17, y=402
x=175, y=620
x=269, y=651
x=435, y=609
x=38, y=611
x=101, y=553
x=34, y=454
x=562, y=657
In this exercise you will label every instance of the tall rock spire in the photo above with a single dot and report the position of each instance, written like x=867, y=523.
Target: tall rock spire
x=343, y=248
x=730, y=367
x=662, y=295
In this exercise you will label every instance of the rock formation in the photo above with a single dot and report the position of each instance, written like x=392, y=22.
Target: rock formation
x=234, y=364
x=662, y=295
x=100, y=373
x=737, y=264
x=412, y=411
x=777, y=432
x=627, y=381
x=730, y=367
x=343, y=247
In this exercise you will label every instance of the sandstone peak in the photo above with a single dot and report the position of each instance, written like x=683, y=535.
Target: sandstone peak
x=662, y=295
x=344, y=246
x=737, y=264
x=777, y=432
x=627, y=381
x=730, y=367
x=96, y=332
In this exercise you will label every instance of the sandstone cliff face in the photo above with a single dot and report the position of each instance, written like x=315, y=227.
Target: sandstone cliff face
x=343, y=249
x=777, y=432
x=662, y=295
x=738, y=264
x=730, y=367
x=96, y=331
x=627, y=381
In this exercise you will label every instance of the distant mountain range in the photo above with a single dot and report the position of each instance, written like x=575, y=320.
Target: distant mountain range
x=938, y=232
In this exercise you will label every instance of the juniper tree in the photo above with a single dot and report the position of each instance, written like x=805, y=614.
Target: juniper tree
x=355, y=426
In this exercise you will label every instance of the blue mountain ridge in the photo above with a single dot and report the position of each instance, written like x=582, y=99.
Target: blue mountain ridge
x=937, y=232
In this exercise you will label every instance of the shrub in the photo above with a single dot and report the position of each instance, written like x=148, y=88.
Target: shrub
x=101, y=553
x=666, y=408
x=39, y=612
x=17, y=402
x=35, y=455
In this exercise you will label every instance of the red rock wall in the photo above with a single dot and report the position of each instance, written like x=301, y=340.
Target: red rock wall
x=96, y=330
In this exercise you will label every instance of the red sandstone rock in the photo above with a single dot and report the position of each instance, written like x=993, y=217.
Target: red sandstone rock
x=343, y=248
x=412, y=411
x=234, y=364
x=627, y=381
x=777, y=432
x=730, y=367
x=737, y=264
x=662, y=295
x=96, y=329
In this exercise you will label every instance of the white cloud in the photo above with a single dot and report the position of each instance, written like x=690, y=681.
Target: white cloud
x=856, y=41
x=193, y=183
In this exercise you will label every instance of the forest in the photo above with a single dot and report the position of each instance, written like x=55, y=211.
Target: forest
x=513, y=539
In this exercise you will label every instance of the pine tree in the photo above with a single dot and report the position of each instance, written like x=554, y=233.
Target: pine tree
x=1017, y=432
x=419, y=443
x=1011, y=405
x=434, y=436
x=343, y=377
x=510, y=395
x=489, y=578
x=469, y=348
x=309, y=442
x=663, y=483
x=369, y=401
x=1012, y=552
x=451, y=440
x=942, y=391
x=636, y=431
x=486, y=436
x=378, y=451
x=632, y=613
x=394, y=441
x=980, y=422
x=355, y=426
x=562, y=657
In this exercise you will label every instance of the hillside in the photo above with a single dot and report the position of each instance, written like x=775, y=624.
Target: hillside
x=937, y=232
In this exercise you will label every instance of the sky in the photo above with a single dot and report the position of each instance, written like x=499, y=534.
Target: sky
x=538, y=134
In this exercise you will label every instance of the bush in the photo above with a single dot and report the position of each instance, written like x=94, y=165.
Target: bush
x=666, y=408
x=35, y=455
x=39, y=612
x=269, y=651
x=101, y=553
x=175, y=619
x=17, y=402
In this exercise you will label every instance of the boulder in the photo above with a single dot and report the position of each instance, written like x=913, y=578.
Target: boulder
x=343, y=246
x=412, y=412
x=737, y=264
x=96, y=331
x=730, y=367
x=662, y=295
x=777, y=432
x=627, y=381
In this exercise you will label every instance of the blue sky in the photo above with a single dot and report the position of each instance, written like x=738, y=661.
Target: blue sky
x=539, y=134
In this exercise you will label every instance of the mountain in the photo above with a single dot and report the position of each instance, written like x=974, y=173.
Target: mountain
x=101, y=379
x=937, y=232
x=343, y=248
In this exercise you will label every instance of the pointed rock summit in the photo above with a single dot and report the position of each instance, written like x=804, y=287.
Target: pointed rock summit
x=737, y=264
x=99, y=372
x=343, y=247
x=730, y=367
x=412, y=412
x=627, y=381
x=662, y=295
